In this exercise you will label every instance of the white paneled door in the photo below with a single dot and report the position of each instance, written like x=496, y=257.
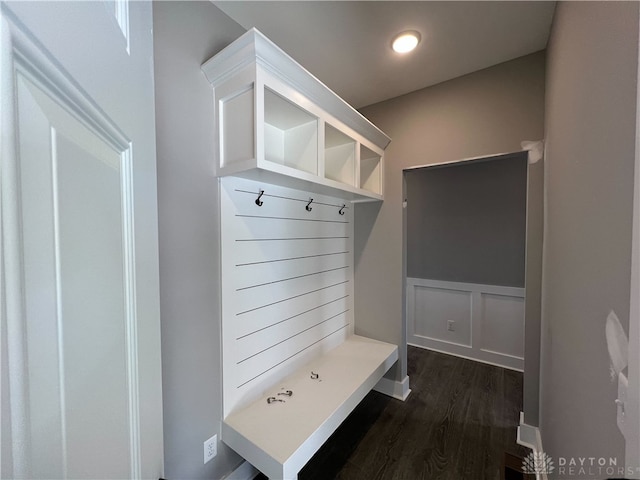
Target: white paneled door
x=80, y=338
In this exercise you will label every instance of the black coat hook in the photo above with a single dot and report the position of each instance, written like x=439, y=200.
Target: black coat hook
x=308, y=208
x=258, y=201
x=341, y=211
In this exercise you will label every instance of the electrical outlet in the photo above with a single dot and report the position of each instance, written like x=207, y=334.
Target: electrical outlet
x=451, y=325
x=210, y=448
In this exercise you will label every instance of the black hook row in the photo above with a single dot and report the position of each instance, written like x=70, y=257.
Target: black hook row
x=308, y=207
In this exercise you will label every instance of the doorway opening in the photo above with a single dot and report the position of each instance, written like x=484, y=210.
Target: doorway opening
x=472, y=262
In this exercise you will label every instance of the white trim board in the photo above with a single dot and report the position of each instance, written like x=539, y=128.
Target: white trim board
x=488, y=320
x=482, y=158
x=244, y=471
x=397, y=389
x=466, y=357
x=529, y=437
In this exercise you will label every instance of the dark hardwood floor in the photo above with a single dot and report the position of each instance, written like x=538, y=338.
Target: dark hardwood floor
x=457, y=424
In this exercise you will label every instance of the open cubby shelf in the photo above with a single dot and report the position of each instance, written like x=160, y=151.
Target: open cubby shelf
x=370, y=170
x=291, y=126
x=339, y=156
x=290, y=134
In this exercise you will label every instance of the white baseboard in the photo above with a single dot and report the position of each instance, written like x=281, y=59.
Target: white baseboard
x=488, y=325
x=395, y=389
x=244, y=471
x=529, y=436
x=457, y=353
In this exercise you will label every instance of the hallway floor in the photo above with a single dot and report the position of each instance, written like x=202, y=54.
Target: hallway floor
x=458, y=422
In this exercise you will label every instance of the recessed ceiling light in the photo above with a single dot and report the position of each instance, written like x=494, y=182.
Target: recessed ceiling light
x=406, y=41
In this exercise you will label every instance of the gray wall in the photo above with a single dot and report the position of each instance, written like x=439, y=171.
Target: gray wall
x=466, y=222
x=533, y=292
x=481, y=114
x=185, y=35
x=590, y=130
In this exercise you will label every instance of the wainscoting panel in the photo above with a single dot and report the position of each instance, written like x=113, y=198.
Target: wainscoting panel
x=501, y=330
x=479, y=322
x=443, y=306
x=287, y=283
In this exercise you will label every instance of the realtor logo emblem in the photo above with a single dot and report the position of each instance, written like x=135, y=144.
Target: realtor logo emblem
x=537, y=462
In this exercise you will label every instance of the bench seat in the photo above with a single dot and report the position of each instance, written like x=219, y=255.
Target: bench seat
x=279, y=438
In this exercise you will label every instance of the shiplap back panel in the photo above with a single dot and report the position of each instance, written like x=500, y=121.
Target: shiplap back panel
x=287, y=284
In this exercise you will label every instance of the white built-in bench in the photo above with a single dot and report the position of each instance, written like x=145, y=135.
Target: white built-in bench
x=279, y=438
x=291, y=156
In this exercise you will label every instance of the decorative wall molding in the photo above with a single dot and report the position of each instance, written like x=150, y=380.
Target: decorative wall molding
x=35, y=63
x=126, y=179
x=26, y=63
x=488, y=320
x=12, y=293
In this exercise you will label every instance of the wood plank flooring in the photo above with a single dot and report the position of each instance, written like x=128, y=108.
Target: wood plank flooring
x=457, y=424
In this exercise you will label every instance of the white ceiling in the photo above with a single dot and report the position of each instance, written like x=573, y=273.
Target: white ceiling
x=347, y=45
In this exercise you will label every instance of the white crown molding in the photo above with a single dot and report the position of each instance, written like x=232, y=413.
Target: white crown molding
x=253, y=46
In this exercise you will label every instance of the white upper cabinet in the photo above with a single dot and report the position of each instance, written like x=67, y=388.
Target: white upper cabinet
x=277, y=123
